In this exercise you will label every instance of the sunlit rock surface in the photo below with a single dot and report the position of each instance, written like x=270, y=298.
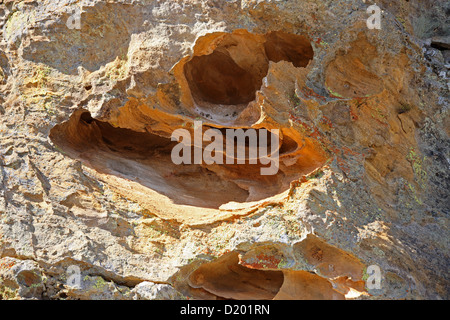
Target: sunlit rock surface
x=93, y=207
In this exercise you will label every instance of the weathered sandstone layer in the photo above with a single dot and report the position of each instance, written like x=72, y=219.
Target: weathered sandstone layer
x=91, y=92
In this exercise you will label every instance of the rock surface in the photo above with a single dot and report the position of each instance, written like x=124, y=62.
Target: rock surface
x=92, y=207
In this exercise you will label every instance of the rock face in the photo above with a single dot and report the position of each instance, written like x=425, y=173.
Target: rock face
x=93, y=207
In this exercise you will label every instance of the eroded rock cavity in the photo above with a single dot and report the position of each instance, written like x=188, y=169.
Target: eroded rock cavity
x=258, y=274
x=233, y=72
x=227, y=70
x=131, y=148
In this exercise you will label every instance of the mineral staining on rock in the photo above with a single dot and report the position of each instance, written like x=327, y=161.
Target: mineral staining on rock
x=87, y=181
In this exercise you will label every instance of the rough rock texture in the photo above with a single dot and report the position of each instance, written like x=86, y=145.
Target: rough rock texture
x=86, y=179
